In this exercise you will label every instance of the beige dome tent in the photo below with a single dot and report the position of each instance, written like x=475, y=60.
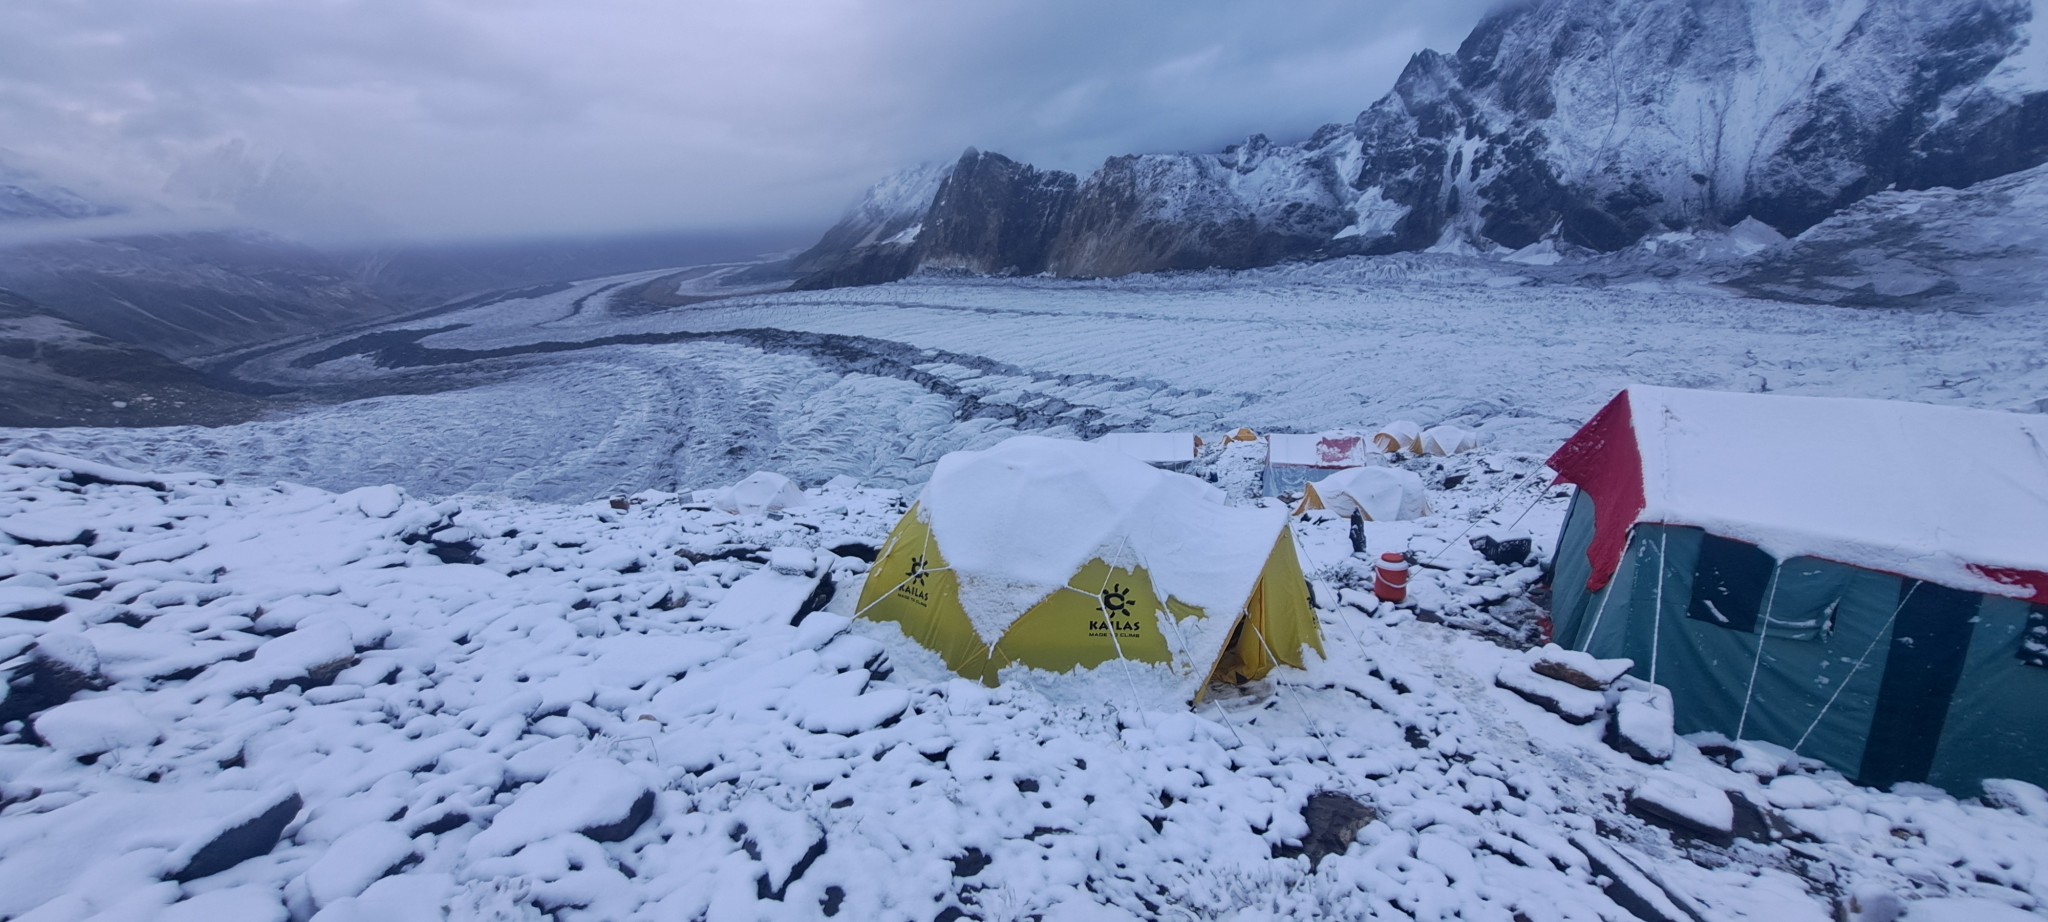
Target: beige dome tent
x=1399, y=436
x=1384, y=494
x=1064, y=556
x=1444, y=441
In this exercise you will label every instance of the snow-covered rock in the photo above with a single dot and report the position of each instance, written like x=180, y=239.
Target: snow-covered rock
x=1574, y=704
x=1577, y=668
x=356, y=860
x=1686, y=803
x=30, y=603
x=249, y=832
x=1642, y=724
x=593, y=797
x=90, y=726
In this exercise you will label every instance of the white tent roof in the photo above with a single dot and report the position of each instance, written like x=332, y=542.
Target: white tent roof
x=1016, y=521
x=1385, y=494
x=1326, y=450
x=1152, y=447
x=1915, y=489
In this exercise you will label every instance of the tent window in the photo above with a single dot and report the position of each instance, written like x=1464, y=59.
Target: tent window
x=2034, y=640
x=1729, y=583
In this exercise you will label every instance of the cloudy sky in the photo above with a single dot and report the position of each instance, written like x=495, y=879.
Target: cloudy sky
x=459, y=118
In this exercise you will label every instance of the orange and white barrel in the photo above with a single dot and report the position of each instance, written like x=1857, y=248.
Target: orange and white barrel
x=1390, y=577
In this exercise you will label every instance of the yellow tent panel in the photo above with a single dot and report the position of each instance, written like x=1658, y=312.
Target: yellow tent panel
x=1171, y=582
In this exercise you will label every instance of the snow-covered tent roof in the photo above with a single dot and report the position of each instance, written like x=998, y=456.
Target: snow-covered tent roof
x=1330, y=450
x=1152, y=447
x=1016, y=521
x=1384, y=494
x=1954, y=496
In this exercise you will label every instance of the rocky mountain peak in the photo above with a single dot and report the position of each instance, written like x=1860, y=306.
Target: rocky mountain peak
x=1584, y=122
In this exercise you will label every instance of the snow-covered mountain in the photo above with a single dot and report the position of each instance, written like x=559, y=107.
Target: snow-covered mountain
x=882, y=226
x=25, y=196
x=1980, y=245
x=1585, y=122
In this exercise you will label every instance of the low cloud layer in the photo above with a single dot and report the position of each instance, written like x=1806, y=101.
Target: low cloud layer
x=468, y=118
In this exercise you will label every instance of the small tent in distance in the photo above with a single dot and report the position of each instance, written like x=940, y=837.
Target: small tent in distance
x=1862, y=581
x=1067, y=557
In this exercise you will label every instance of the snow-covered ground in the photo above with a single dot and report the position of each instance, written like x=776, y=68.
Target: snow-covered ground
x=497, y=709
x=486, y=693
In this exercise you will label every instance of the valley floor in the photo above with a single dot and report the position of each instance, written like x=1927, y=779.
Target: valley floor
x=558, y=397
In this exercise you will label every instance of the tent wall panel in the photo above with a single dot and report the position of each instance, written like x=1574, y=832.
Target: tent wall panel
x=1570, y=600
x=1105, y=613
x=1280, y=606
x=912, y=586
x=1930, y=640
x=1994, y=721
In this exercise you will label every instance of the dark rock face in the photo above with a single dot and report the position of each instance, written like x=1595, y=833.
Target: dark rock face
x=56, y=671
x=1585, y=122
x=995, y=216
x=240, y=842
x=1146, y=214
x=642, y=809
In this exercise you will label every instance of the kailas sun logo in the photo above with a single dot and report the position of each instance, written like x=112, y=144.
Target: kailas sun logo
x=1116, y=600
x=1116, y=603
x=912, y=588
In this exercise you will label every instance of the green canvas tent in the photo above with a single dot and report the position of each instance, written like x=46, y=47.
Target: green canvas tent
x=1864, y=582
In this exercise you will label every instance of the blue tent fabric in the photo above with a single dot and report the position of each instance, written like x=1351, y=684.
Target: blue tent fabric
x=1884, y=678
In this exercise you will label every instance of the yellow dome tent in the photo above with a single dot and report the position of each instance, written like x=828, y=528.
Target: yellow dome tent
x=1062, y=556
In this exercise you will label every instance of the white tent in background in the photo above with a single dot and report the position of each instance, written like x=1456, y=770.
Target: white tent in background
x=760, y=492
x=1159, y=449
x=1444, y=441
x=1384, y=494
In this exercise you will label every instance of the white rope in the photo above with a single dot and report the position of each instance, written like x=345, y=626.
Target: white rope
x=1109, y=570
x=1606, y=594
x=1339, y=614
x=1306, y=721
x=1490, y=510
x=1859, y=665
x=1657, y=608
x=892, y=591
x=1749, y=691
x=1220, y=712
